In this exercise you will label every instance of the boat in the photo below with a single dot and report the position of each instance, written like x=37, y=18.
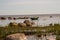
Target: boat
x=34, y=18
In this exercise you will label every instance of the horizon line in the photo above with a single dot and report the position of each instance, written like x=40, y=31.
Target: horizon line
x=27, y=14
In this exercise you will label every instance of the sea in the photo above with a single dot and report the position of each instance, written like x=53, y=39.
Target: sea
x=43, y=20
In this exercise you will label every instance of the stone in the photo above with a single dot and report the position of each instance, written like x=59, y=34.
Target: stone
x=17, y=36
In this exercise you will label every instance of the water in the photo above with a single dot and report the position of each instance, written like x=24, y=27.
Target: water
x=22, y=36
x=48, y=37
x=42, y=21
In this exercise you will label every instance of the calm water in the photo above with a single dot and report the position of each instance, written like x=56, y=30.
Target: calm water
x=42, y=21
x=48, y=37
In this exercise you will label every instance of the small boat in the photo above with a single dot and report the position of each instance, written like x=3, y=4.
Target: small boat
x=34, y=18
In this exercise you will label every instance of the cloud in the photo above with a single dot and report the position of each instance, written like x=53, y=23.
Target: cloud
x=30, y=6
x=32, y=2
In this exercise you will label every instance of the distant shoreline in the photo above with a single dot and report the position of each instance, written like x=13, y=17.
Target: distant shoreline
x=32, y=15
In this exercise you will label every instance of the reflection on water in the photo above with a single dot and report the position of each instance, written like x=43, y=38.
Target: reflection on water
x=22, y=36
x=42, y=21
x=48, y=37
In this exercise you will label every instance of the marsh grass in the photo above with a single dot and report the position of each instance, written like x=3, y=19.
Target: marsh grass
x=4, y=31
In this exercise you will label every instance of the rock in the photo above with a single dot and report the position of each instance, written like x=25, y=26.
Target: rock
x=17, y=36
x=12, y=24
x=32, y=23
x=28, y=23
x=2, y=18
x=21, y=24
x=9, y=18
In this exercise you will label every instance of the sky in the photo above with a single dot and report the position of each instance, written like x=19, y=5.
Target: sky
x=23, y=7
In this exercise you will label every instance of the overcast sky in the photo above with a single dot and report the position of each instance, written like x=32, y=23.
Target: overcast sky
x=29, y=7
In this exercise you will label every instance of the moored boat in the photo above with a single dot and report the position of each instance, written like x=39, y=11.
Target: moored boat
x=34, y=18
